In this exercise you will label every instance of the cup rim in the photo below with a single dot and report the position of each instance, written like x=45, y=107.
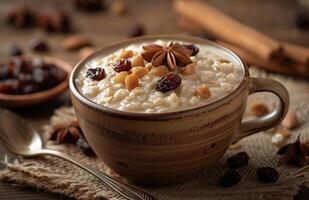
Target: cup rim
x=160, y=116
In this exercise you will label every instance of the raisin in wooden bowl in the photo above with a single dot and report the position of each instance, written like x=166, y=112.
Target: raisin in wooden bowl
x=31, y=80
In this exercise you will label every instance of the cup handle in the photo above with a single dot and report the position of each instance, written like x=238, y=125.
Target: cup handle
x=272, y=119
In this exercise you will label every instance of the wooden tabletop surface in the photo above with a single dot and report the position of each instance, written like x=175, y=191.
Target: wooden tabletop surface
x=275, y=18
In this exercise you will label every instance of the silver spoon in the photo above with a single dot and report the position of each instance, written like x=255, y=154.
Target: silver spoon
x=18, y=137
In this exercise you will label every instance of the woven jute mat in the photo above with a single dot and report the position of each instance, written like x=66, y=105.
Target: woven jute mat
x=58, y=176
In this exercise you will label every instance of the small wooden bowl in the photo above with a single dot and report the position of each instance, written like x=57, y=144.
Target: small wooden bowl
x=23, y=100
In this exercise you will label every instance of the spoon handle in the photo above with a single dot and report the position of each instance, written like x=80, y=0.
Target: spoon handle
x=125, y=190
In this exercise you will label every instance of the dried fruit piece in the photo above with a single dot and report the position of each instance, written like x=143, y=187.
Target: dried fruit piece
x=131, y=81
x=137, y=60
x=258, y=109
x=118, y=7
x=38, y=45
x=267, y=174
x=89, y=5
x=193, y=48
x=159, y=71
x=120, y=77
x=85, y=52
x=168, y=82
x=95, y=73
x=230, y=178
x=140, y=71
x=68, y=132
x=76, y=42
x=85, y=147
x=189, y=69
x=297, y=154
x=238, y=160
x=203, y=91
x=126, y=54
x=137, y=30
x=291, y=120
x=21, y=16
x=59, y=21
x=15, y=50
x=122, y=65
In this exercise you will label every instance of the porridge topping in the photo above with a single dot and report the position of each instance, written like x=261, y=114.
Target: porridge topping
x=162, y=76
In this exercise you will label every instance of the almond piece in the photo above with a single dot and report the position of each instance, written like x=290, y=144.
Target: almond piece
x=85, y=52
x=120, y=77
x=137, y=61
x=258, y=109
x=291, y=120
x=131, y=81
x=160, y=70
x=75, y=42
x=189, y=69
x=126, y=55
x=203, y=91
x=140, y=71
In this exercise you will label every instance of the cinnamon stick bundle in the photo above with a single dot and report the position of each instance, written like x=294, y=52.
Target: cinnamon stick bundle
x=227, y=29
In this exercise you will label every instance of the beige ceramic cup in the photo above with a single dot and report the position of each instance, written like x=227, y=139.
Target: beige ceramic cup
x=169, y=148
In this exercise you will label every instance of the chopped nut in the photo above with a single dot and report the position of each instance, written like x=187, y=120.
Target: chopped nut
x=85, y=52
x=149, y=66
x=126, y=55
x=278, y=140
x=120, y=77
x=222, y=60
x=285, y=133
x=203, y=91
x=131, y=81
x=140, y=71
x=118, y=7
x=189, y=69
x=290, y=121
x=75, y=42
x=137, y=61
x=160, y=70
x=259, y=109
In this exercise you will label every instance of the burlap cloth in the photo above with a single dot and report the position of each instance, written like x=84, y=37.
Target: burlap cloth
x=58, y=176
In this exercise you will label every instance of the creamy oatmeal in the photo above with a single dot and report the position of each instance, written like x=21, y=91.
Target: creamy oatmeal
x=157, y=77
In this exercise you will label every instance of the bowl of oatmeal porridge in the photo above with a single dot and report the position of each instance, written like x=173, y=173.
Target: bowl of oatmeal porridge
x=161, y=109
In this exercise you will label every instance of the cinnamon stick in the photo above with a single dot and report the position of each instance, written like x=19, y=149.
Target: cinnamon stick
x=274, y=66
x=227, y=29
x=296, y=53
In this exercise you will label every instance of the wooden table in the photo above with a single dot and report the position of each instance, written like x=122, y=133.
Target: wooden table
x=275, y=18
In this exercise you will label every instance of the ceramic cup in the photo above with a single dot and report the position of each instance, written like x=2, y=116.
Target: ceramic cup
x=169, y=148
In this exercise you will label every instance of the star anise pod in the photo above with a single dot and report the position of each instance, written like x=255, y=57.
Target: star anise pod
x=68, y=132
x=174, y=55
x=296, y=154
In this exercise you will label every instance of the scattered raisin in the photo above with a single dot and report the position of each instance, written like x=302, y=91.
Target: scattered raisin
x=95, y=73
x=267, y=174
x=137, y=30
x=89, y=5
x=21, y=16
x=59, y=21
x=230, y=178
x=238, y=160
x=168, y=82
x=15, y=50
x=192, y=47
x=122, y=65
x=38, y=45
x=302, y=20
x=85, y=147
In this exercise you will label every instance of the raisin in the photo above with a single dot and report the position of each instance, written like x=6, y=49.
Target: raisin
x=84, y=146
x=230, y=178
x=59, y=21
x=168, y=82
x=21, y=16
x=38, y=45
x=95, y=73
x=137, y=30
x=192, y=47
x=267, y=174
x=122, y=65
x=15, y=50
x=238, y=160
